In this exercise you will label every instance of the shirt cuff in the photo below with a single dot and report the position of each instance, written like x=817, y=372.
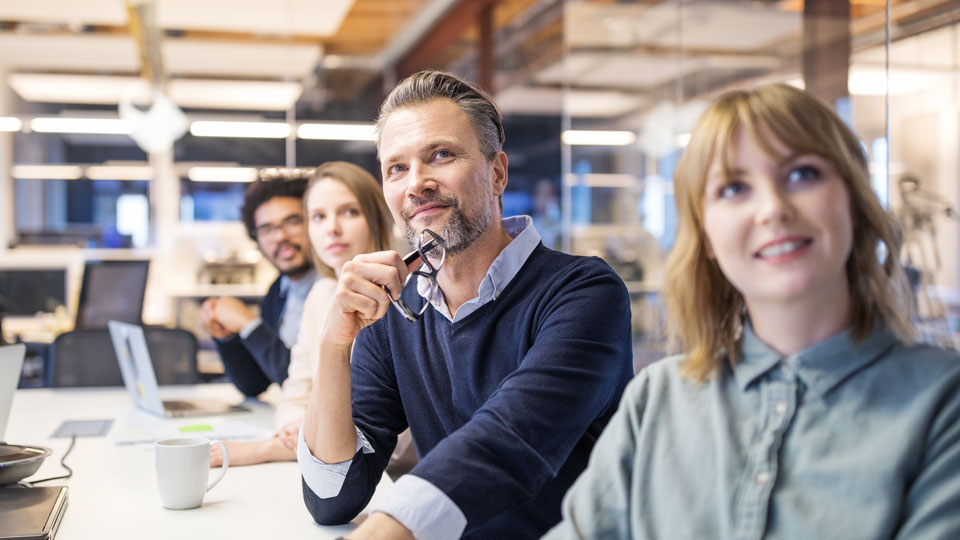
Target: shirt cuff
x=248, y=328
x=433, y=516
x=326, y=479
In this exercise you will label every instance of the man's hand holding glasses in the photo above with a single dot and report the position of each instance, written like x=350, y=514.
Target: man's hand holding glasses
x=370, y=282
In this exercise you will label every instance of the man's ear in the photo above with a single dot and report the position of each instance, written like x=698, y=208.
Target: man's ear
x=499, y=173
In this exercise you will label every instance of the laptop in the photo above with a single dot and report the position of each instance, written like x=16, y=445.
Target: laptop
x=141, y=381
x=11, y=362
x=29, y=513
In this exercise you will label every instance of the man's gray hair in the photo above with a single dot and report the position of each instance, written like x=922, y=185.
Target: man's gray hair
x=428, y=85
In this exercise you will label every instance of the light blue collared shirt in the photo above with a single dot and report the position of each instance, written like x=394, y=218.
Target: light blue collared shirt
x=296, y=293
x=841, y=440
x=417, y=504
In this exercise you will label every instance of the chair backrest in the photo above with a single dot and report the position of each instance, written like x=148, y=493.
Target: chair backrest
x=87, y=358
x=173, y=352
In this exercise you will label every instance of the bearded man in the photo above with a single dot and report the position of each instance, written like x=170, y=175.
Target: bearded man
x=506, y=366
x=255, y=350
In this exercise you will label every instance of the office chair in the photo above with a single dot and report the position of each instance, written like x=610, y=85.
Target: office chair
x=174, y=355
x=87, y=358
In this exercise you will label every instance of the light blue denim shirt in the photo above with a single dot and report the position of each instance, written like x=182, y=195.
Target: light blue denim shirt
x=841, y=440
x=296, y=293
x=416, y=503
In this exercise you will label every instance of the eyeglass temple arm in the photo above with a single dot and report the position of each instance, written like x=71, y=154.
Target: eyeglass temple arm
x=409, y=258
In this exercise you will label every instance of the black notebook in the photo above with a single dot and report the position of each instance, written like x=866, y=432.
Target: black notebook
x=31, y=513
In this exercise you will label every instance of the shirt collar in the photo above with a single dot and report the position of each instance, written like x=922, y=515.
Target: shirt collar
x=820, y=367
x=502, y=270
x=298, y=287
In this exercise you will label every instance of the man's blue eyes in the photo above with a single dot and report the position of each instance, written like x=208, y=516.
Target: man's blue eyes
x=439, y=154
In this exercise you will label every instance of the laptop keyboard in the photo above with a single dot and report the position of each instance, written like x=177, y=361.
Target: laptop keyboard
x=176, y=405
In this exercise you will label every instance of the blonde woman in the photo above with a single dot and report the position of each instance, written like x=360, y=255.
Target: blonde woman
x=346, y=216
x=800, y=409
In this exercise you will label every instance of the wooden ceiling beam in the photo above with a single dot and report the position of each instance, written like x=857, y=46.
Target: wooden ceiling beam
x=443, y=34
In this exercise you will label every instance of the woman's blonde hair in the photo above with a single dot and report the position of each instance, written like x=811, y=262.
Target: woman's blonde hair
x=704, y=311
x=368, y=193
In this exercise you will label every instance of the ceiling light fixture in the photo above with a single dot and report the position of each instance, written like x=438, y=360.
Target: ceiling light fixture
x=258, y=130
x=107, y=126
x=228, y=94
x=337, y=132
x=222, y=174
x=9, y=123
x=598, y=138
x=119, y=172
x=46, y=172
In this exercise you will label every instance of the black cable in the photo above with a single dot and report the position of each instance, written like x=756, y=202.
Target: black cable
x=73, y=440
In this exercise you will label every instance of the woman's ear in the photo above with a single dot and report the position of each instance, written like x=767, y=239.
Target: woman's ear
x=708, y=248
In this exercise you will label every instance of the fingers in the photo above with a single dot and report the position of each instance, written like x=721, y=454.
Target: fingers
x=289, y=433
x=385, y=268
x=216, y=456
x=287, y=440
x=208, y=312
x=364, y=279
x=366, y=298
x=208, y=307
x=361, y=297
x=241, y=453
x=218, y=331
x=209, y=321
x=232, y=314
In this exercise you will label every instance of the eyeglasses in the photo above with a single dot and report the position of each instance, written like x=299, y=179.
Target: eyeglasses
x=427, y=242
x=292, y=224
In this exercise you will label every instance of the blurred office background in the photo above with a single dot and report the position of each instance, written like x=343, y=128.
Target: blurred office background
x=128, y=131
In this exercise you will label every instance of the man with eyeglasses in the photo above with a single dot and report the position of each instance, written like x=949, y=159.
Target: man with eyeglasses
x=505, y=359
x=256, y=350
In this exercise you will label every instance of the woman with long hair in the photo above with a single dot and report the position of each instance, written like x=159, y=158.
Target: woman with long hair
x=800, y=407
x=346, y=216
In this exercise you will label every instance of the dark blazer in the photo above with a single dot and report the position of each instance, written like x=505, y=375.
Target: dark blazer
x=253, y=363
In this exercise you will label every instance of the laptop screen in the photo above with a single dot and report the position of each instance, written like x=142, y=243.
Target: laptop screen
x=135, y=366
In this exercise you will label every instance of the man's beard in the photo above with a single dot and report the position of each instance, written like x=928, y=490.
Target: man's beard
x=299, y=270
x=460, y=230
x=296, y=270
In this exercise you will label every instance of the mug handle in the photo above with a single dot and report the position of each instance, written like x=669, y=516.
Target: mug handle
x=223, y=468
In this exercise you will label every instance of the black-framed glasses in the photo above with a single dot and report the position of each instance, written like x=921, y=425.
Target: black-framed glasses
x=290, y=225
x=427, y=242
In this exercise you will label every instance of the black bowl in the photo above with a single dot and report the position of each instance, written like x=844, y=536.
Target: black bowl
x=18, y=462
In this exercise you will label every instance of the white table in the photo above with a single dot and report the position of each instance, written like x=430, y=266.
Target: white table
x=113, y=491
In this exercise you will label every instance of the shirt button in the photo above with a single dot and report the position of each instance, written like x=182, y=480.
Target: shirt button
x=780, y=407
x=762, y=478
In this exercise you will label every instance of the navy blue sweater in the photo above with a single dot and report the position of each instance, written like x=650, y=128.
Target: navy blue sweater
x=504, y=405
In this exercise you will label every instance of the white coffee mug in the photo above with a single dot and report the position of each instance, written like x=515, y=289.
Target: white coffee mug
x=183, y=468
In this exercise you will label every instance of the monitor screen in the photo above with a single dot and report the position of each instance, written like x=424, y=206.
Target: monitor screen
x=111, y=290
x=28, y=291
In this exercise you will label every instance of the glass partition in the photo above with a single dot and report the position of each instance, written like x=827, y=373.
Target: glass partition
x=636, y=76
